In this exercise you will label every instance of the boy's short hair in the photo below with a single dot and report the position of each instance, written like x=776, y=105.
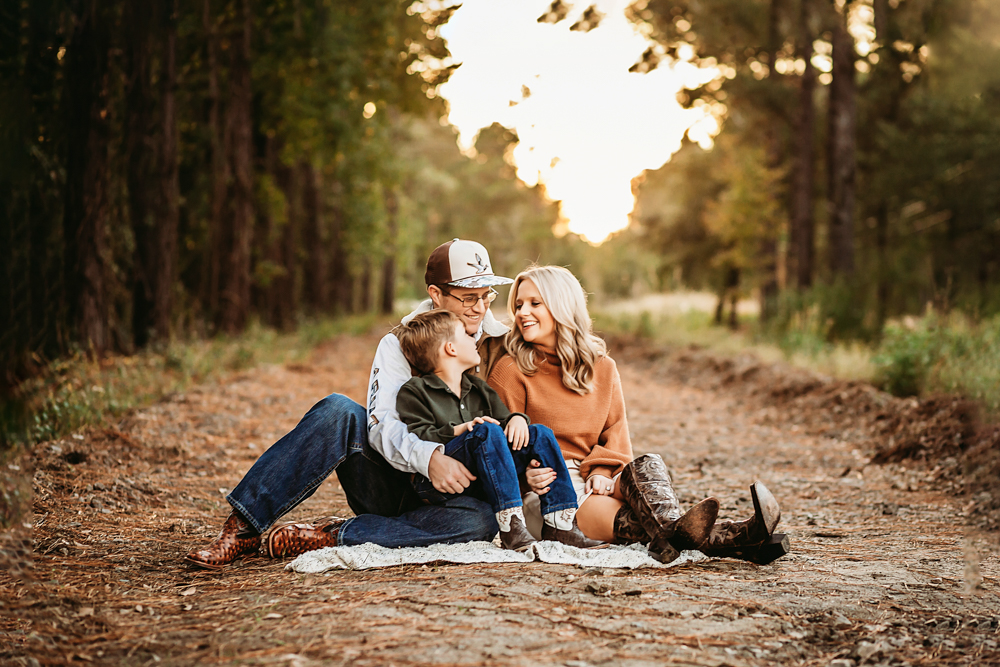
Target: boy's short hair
x=421, y=337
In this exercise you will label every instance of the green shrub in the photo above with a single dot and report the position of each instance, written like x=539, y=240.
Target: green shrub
x=937, y=354
x=904, y=360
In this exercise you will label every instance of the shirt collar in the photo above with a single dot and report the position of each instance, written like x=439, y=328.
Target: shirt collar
x=434, y=381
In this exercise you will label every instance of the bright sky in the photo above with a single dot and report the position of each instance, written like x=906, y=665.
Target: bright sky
x=588, y=126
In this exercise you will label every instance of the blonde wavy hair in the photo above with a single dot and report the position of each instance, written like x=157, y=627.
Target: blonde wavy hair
x=577, y=347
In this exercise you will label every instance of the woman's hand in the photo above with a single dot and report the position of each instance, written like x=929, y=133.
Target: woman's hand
x=539, y=478
x=517, y=432
x=601, y=485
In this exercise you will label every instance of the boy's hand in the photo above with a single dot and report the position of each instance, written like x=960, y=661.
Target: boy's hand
x=468, y=426
x=539, y=478
x=448, y=475
x=517, y=432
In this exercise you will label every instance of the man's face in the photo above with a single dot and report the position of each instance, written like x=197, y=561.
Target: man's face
x=454, y=298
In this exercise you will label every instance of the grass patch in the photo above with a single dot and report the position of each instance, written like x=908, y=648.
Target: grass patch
x=938, y=354
x=850, y=361
x=78, y=391
x=914, y=357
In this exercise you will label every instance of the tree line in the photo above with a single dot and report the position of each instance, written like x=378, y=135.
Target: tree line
x=857, y=167
x=185, y=166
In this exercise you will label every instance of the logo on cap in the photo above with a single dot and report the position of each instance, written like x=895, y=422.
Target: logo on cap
x=479, y=266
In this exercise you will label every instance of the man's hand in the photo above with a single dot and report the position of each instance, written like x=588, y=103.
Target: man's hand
x=468, y=426
x=447, y=474
x=539, y=478
x=517, y=432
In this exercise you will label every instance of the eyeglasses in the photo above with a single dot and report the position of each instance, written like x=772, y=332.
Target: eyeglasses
x=471, y=301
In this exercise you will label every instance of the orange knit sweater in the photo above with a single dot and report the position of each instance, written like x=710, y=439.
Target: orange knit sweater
x=591, y=429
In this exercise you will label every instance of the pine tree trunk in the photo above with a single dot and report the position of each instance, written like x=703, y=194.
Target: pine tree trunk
x=235, y=279
x=86, y=204
x=315, y=238
x=388, y=301
x=767, y=252
x=275, y=300
x=287, y=287
x=882, y=253
x=804, y=176
x=141, y=162
x=881, y=8
x=365, y=286
x=219, y=168
x=168, y=209
x=340, y=276
x=841, y=153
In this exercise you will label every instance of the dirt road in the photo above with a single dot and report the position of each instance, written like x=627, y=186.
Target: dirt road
x=881, y=572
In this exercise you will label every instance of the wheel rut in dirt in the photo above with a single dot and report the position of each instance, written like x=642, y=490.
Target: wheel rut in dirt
x=882, y=570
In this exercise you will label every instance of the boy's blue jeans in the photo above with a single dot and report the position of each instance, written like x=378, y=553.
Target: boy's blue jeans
x=486, y=453
x=333, y=436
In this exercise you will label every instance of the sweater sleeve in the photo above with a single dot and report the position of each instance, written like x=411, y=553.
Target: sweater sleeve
x=414, y=411
x=614, y=448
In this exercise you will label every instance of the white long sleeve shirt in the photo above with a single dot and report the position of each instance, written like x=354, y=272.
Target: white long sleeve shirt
x=390, y=370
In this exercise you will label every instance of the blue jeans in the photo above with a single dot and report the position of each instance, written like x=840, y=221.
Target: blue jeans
x=333, y=436
x=499, y=470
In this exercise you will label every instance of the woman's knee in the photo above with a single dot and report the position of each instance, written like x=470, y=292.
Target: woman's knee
x=596, y=517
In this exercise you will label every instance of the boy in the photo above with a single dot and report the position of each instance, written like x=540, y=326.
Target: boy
x=462, y=413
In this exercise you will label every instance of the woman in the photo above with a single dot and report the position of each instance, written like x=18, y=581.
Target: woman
x=559, y=374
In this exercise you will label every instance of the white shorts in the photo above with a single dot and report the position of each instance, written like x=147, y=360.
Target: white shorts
x=533, y=510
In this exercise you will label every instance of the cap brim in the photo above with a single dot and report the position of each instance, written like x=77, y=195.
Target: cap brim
x=476, y=282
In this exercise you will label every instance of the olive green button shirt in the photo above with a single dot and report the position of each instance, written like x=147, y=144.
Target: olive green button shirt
x=431, y=410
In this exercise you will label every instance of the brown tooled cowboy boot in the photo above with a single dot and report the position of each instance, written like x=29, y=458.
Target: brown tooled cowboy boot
x=645, y=483
x=292, y=539
x=752, y=539
x=628, y=529
x=237, y=538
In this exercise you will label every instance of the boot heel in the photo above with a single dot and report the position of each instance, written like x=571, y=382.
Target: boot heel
x=771, y=550
x=662, y=551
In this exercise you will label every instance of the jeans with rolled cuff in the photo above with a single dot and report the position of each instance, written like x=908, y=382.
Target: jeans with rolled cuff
x=333, y=436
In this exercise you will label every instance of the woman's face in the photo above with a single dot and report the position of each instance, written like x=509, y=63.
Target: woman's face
x=532, y=317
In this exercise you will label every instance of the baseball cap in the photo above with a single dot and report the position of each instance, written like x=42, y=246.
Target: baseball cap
x=462, y=264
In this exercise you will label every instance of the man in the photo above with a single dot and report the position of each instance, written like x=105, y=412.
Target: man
x=373, y=463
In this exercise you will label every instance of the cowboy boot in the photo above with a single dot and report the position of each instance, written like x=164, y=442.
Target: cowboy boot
x=237, y=538
x=752, y=539
x=628, y=529
x=292, y=539
x=517, y=538
x=572, y=537
x=645, y=483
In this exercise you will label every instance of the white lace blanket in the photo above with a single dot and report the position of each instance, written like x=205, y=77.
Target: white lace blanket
x=368, y=556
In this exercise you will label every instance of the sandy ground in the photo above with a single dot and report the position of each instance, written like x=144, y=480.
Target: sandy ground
x=882, y=570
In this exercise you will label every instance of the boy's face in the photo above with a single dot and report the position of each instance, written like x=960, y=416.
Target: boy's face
x=465, y=346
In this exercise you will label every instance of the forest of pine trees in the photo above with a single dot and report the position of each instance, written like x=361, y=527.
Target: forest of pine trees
x=859, y=161
x=186, y=167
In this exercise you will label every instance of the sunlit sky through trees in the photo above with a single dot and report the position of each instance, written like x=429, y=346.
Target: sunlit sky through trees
x=586, y=125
